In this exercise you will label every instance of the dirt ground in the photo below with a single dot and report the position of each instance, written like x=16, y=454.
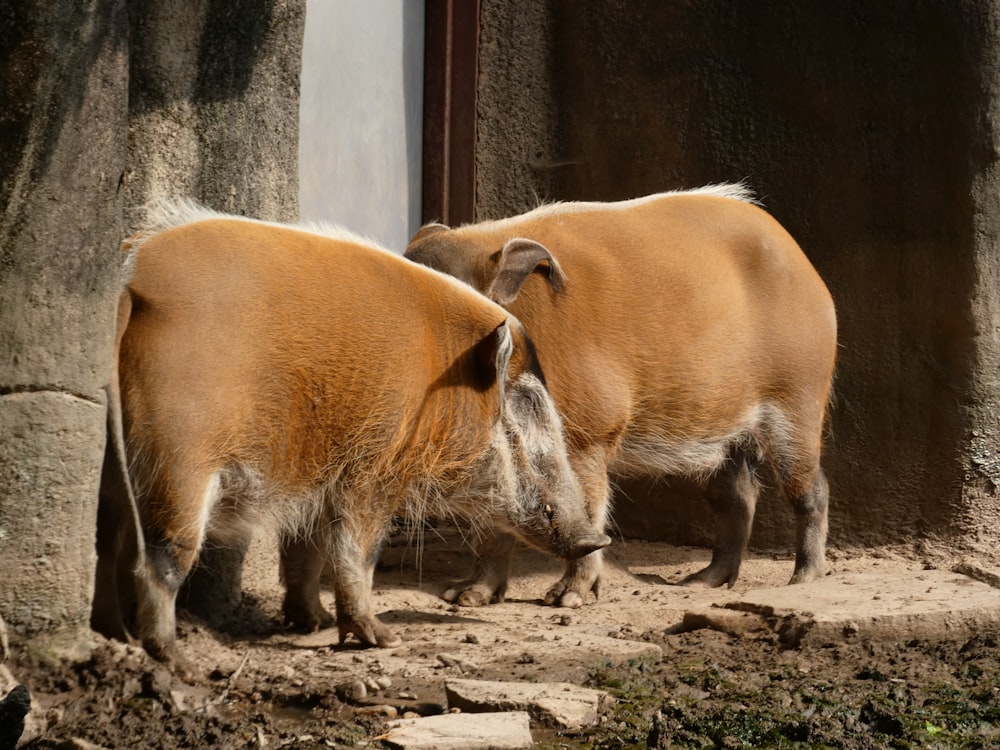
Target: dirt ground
x=262, y=686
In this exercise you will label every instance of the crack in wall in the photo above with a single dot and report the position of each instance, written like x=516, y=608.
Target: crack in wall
x=17, y=390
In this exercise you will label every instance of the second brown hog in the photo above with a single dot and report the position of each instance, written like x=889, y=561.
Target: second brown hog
x=681, y=334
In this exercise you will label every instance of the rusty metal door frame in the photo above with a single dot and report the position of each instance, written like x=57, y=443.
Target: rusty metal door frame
x=451, y=53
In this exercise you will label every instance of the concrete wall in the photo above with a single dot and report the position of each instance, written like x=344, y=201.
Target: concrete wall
x=63, y=145
x=106, y=105
x=361, y=116
x=213, y=105
x=868, y=129
x=213, y=115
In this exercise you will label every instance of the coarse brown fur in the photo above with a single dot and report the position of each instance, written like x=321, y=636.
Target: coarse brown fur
x=682, y=333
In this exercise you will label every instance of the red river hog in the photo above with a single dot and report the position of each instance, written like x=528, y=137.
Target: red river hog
x=306, y=380
x=682, y=333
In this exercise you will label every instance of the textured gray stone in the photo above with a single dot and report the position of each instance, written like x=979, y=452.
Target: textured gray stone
x=509, y=730
x=928, y=604
x=63, y=141
x=109, y=105
x=558, y=704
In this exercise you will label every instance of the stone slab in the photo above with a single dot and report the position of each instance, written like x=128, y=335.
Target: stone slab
x=557, y=704
x=503, y=731
x=980, y=572
x=923, y=604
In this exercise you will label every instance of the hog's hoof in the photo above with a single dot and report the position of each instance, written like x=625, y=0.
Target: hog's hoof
x=570, y=599
x=711, y=577
x=565, y=594
x=472, y=595
x=187, y=671
x=174, y=663
x=164, y=652
x=369, y=632
x=806, y=575
x=309, y=618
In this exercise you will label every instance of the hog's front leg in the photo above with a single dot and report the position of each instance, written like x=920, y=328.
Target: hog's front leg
x=354, y=550
x=583, y=576
x=488, y=583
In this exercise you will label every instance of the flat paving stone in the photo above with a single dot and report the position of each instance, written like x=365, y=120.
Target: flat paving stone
x=557, y=704
x=504, y=731
x=926, y=604
x=974, y=569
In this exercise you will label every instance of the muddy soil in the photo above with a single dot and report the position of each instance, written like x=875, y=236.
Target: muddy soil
x=258, y=685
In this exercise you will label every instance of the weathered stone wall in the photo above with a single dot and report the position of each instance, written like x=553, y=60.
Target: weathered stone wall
x=517, y=129
x=197, y=99
x=62, y=153
x=869, y=131
x=213, y=105
x=213, y=115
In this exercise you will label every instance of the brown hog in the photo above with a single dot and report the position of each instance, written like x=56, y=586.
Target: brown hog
x=681, y=334
x=309, y=381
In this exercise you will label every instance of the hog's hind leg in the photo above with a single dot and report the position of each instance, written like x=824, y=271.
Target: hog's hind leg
x=797, y=463
x=810, y=501
x=732, y=492
x=174, y=520
x=303, y=557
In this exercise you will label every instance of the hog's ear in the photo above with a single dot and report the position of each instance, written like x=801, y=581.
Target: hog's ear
x=515, y=262
x=427, y=230
x=493, y=357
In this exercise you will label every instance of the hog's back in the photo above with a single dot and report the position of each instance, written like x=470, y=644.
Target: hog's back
x=285, y=351
x=680, y=315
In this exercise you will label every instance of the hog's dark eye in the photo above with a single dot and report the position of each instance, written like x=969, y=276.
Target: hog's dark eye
x=549, y=513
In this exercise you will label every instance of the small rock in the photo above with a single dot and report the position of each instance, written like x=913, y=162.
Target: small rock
x=157, y=683
x=382, y=709
x=383, y=682
x=78, y=743
x=131, y=687
x=352, y=692
x=179, y=699
x=561, y=704
x=449, y=660
x=471, y=732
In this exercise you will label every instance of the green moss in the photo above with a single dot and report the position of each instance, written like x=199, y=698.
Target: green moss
x=862, y=698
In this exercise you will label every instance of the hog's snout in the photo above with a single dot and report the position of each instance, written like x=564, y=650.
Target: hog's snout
x=586, y=544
